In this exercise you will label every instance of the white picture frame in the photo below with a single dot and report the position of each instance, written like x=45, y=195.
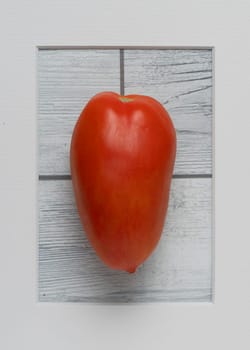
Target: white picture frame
x=28, y=324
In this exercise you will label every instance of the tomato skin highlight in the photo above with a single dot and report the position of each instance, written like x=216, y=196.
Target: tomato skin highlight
x=122, y=157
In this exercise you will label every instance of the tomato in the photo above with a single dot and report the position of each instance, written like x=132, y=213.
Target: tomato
x=122, y=157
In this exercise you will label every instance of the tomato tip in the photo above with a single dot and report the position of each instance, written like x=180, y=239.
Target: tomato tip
x=131, y=270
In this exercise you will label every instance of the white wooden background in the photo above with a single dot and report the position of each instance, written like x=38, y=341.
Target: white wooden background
x=180, y=269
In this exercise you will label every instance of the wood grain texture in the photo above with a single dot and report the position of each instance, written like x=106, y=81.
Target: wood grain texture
x=67, y=79
x=182, y=81
x=178, y=270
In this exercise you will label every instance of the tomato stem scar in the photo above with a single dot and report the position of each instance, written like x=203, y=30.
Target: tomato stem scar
x=125, y=99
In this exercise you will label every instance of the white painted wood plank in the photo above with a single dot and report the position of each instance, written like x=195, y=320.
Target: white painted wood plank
x=67, y=79
x=178, y=270
x=182, y=81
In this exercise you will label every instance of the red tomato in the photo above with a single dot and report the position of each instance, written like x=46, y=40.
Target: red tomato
x=122, y=157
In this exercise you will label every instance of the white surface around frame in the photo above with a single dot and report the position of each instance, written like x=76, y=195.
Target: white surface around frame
x=27, y=324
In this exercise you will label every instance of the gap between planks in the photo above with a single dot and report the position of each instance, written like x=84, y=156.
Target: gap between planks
x=122, y=78
x=176, y=176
